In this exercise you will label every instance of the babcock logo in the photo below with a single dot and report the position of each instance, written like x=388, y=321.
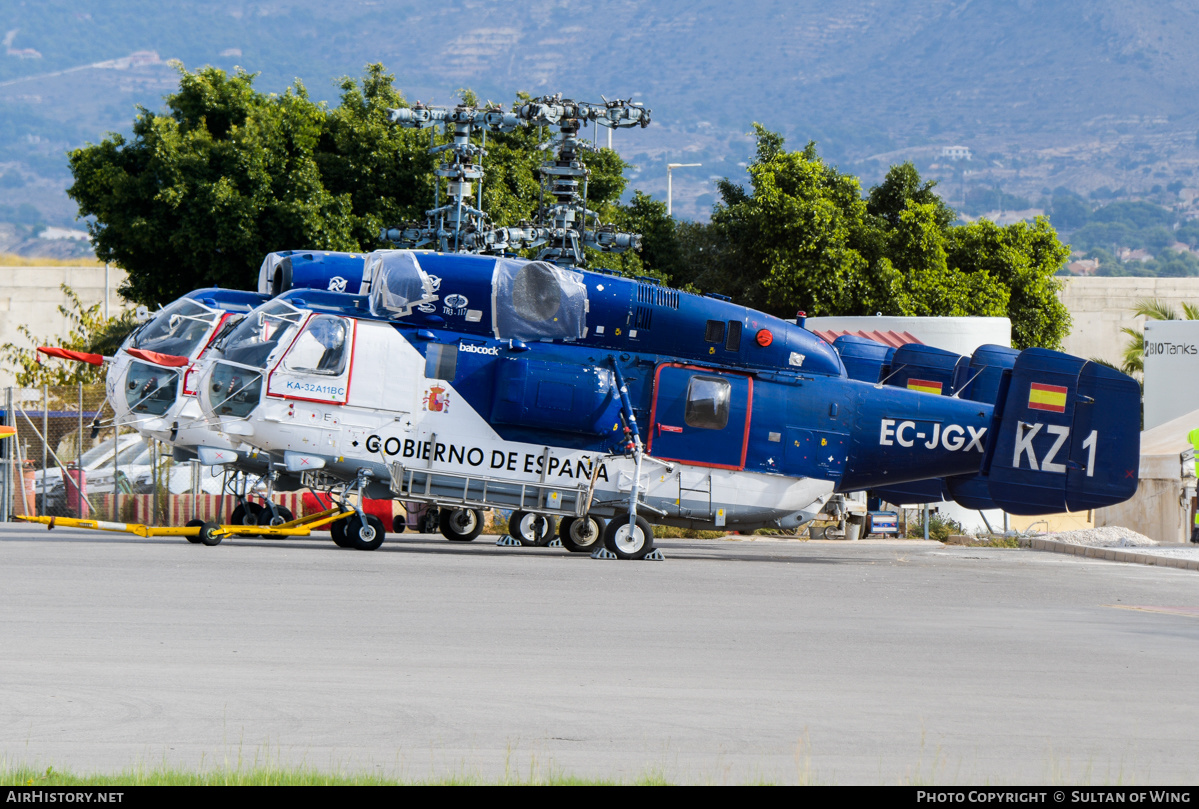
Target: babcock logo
x=471, y=348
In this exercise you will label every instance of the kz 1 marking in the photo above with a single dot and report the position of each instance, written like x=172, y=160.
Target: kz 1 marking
x=953, y=437
x=1025, y=433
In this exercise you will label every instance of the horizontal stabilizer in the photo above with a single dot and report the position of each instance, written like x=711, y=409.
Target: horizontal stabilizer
x=927, y=369
x=1067, y=436
x=865, y=359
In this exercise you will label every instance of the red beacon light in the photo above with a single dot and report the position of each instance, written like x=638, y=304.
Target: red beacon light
x=764, y=337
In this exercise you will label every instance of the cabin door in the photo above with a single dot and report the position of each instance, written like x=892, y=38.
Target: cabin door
x=700, y=416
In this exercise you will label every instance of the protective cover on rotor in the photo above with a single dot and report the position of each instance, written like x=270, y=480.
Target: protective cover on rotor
x=533, y=300
x=398, y=284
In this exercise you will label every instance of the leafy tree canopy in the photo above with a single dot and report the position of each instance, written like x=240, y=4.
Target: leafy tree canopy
x=226, y=174
x=802, y=236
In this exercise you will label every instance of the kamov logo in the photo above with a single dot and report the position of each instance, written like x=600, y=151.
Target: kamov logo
x=471, y=348
x=337, y=284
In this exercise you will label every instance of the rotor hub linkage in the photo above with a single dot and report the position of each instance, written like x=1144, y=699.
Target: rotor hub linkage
x=564, y=225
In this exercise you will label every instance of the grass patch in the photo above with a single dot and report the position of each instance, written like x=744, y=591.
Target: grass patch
x=273, y=775
x=674, y=532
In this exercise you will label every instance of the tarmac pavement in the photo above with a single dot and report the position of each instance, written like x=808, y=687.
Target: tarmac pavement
x=732, y=661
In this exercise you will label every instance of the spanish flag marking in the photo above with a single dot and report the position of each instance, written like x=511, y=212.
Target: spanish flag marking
x=1047, y=397
x=924, y=386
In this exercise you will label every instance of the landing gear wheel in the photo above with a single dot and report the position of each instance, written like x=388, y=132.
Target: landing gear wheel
x=398, y=524
x=282, y=514
x=429, y=520
x=246, y=514
x=627, y=544
x=581, y=534
x=337, y=529
x=364, y=537
x=193, y=524
x=531, y=530
x=206, y=534
x=461, y=524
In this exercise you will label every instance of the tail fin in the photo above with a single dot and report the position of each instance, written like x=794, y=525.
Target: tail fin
x=1066, y=436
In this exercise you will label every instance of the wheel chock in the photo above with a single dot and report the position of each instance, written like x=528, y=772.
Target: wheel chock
x=508, y=542
x=603, y=553
x=556, y=543
x=654, y=556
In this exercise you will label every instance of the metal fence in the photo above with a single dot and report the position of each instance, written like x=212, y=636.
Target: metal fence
x=59, y=464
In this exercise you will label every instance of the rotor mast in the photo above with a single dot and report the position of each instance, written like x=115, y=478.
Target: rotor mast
x=564, y=224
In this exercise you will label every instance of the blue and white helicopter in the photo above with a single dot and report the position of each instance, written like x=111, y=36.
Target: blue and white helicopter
x=492, y=382
x=150, y=381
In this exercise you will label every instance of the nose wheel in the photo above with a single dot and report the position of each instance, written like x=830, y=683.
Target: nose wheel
x=362, y=536
x=629, y=544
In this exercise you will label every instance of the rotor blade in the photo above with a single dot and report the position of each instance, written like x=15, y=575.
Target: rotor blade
x=67, y=354
x=168, y=360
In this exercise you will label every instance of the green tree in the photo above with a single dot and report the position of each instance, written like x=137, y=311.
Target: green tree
x=902, y=185
x=1022, y=258
x=801, y=236
x=227, y=174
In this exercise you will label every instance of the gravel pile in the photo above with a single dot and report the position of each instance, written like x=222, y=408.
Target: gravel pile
x=1108, y=536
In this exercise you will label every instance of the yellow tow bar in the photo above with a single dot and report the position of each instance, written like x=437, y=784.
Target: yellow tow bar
x=208, y=533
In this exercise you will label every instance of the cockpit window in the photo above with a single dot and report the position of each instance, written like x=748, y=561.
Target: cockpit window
x=179, y=329
x=252, y=342
x=533, y=300
x=322, y=348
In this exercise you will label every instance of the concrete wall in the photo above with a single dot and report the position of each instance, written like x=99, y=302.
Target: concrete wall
x=1100, y=307
x=31, y=296
x=1156, y=510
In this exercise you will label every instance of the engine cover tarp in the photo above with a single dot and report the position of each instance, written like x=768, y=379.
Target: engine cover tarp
x=533, y=300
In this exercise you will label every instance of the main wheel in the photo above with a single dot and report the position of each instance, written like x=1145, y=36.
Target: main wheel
x=531, y=530
x=461, y=524
x=206, y=534
x=282, y=514
x=364, y=537
x=194, y=524
x=628, y=544
x=337, y=529
x=581, y=534
x=246, y=513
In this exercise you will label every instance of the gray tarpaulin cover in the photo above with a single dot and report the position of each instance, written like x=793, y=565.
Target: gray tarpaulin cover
x=533, y=300
x=398, y=282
